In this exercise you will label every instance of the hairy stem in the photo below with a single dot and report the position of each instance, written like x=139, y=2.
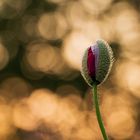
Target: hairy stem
x=98, y=114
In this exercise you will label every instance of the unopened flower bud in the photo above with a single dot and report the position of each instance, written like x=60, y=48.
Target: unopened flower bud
x=97, y=62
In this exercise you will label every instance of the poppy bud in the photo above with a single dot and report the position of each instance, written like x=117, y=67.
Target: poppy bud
x=97, y=62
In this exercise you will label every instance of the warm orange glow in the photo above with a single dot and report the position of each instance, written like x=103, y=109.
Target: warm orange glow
x=42, y=94
x=2, y=3
x=29, y=25
x=6, y=127
x=44, y=104
x=23, y=116
x=15, y=8
x=65, y=90
x=96, y=6
x=52, y=26
x=15, y=88
x=61, y=114
x=121, y=124
x=126, y=24
x=40, y=56
x=118, y=110
x=76, y=15
x=131, y=77
x=74, y=47
x=56, y=1
x=4, y=56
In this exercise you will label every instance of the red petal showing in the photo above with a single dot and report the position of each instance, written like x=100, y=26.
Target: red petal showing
x=91, y=64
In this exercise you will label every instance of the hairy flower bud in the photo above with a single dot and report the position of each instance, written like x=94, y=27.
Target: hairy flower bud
x=97, y=62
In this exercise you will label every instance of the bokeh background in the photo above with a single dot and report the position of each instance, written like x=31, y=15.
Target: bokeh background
x=42, y=93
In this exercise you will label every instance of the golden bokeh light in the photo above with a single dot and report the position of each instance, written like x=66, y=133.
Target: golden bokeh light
x=96, y=6
x=29, y=26
x=56, y=1
x=76, y=15
x=115, y=101
x=15, y=88
x=52, y=26
x=4, y=56
x=126, y=24
x=17, y=4
x=118, y=110
x=28, y=71
x=66, y=89
x=42, y=93
x=93, y=26
x=10, y=9
x=9, y=44
x=87, y=129
x=40, y=56
x=6, y=128
x=44, y=104
x=23, y=116
x=131, y=77
x=107, y=31
x=1, y=4
x=74, y=47
x=121, y=124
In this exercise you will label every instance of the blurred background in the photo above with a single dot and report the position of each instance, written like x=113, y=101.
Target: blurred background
x=42, y=93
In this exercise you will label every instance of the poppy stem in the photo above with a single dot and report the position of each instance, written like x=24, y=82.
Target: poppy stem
x=98, y=114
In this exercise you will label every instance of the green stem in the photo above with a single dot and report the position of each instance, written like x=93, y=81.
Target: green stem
x=98, y=114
